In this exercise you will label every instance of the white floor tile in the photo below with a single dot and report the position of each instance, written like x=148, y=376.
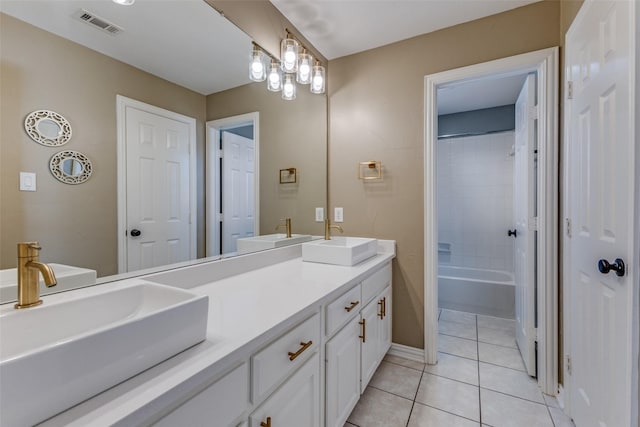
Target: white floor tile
x=377, y=408
x=551, y=401
x=500, y=410
x=349, y=425
x=404, y=362
x=509, y=381
x=560, y=419
x=396, y=379
x=450, y=396
x=426, y=416
x=503, y=356
x=496, y=323
x=458, y=316
x=458, y=346
x=455, y=368
x=497, y=336
x=461, y=330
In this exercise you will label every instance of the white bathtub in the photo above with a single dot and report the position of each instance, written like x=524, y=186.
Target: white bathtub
x=489, y=292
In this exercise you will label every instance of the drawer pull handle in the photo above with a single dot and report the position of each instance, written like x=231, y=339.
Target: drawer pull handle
x=381, y=305
x=352, y=306
x=305, y=345
x=363, y=322
x=267, y=424
x=384, y=307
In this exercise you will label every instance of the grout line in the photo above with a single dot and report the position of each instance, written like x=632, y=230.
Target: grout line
x=415, y=396
x=550, y=416
x=448, y=412
x=404, y=366
x=389, y=392
x=515, y=397
x=502, y=366
x=457, y=355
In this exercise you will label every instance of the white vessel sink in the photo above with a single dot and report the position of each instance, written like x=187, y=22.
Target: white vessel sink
x=340, y=250
x=68, y=277
x=269, y=241
x=58, y=354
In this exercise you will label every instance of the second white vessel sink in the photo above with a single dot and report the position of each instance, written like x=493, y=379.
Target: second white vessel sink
x=269, y=241
x=340, y=250
x=68, y=277
x=58, y=354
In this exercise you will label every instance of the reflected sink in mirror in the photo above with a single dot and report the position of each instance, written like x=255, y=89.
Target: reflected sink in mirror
x=340, y=250
x=60, y=353
x=269, y=241
x=68, y=277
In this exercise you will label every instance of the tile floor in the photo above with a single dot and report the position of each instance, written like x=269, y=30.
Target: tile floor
x=479, y=381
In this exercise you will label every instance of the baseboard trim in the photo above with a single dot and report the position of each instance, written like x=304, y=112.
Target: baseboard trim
x=411, y=353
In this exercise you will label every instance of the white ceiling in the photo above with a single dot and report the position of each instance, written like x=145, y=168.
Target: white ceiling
x=343, y=27
x=479, y=94
x=184, y=41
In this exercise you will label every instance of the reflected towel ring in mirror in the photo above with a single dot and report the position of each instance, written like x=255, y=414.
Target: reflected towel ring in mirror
x=47, y=128
x=70, y=167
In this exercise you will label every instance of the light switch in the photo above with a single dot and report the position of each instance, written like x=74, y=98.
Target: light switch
x=338, y=215
x=27, y=181
x=319, y=214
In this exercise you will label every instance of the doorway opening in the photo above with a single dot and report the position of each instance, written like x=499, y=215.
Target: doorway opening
x=233, y=189
x=531, y=209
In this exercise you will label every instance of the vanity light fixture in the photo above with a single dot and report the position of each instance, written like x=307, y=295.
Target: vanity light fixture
x=305, y=63
x=274, y=79
x=318, y=79
x=289, y=48
x=289, y=87
x=125, y=2
x=257, y=67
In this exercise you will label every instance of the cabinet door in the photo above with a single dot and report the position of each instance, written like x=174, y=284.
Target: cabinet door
x=342, y=374
x=370, y=343
x=385, y=321
x=296, y=403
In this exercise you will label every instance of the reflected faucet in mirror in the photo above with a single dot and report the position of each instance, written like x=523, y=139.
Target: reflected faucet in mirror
x=29, y=267
x=286, y=225
x=327, y=229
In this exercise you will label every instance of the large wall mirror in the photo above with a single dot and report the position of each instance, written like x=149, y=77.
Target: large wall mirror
x=179, y=56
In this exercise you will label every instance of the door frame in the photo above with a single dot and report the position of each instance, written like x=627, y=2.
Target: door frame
x=122, y=103
x=213, y=192
x=633, y=265
x=545, y=64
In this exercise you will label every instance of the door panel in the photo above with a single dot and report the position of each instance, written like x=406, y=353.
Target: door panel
x=524, y=193
x=600, y=64
x=158, y=189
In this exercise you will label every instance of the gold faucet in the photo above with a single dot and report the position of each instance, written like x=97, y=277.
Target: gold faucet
x=28, y=267
x=286, y=225
x=327, y=229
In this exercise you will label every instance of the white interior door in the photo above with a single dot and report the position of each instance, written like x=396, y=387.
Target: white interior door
x=157, y=189
x=524, y=193
x=600, y=63
x=238, y=192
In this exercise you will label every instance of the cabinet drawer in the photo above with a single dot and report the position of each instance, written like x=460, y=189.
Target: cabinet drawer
x=374, y=284
x=219, y=404
x=276, y=361
x=342, y=309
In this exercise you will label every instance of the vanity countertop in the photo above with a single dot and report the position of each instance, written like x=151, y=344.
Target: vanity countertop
x=246, y=311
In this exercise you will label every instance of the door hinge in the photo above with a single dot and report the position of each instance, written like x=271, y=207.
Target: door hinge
x=569, y=89
x=533, y=112
x=220, y=154
x=220, y=217
x=569, y=365
x=533, y=224
x=568, y=226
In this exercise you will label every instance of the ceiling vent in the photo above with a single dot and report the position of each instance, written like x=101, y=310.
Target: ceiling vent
x=97, y=22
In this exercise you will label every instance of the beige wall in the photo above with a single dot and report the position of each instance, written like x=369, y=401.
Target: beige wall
x=376, y=112
x=75, y=224
x=292, y=134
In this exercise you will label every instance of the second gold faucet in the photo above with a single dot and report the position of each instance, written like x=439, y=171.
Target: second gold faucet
x=28, y=278
x=287, y=225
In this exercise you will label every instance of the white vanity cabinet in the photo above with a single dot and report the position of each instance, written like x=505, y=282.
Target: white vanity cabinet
x=354, y=353
x=296, y=403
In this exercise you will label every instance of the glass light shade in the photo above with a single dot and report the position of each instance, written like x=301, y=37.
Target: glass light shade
x=289, y=55
x=125, y=2
x=257, y=67
x=289, y=87
x=274, y=79
x=318, y=79
x=305, y=64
